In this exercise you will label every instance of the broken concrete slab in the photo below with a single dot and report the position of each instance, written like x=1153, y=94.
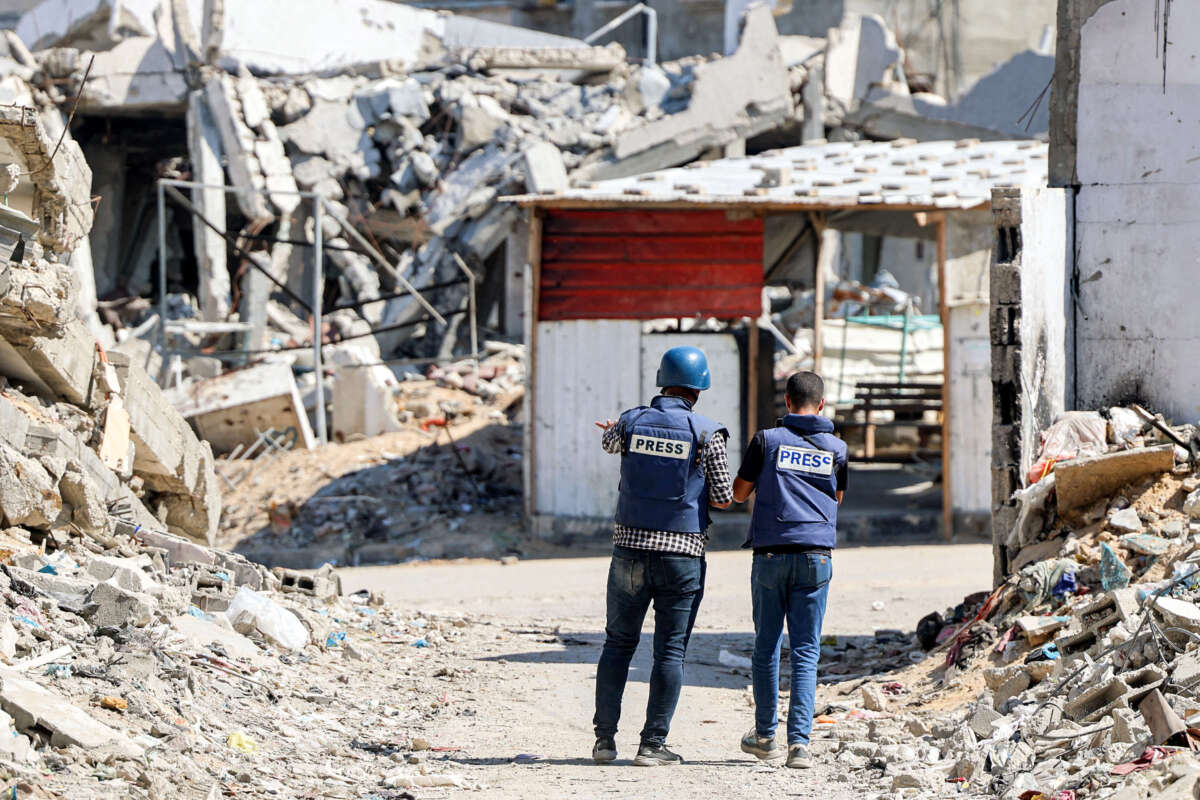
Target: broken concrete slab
x=62, y=362
x=202, y=633
x=34, y=708
x=1126, y=521
x=197, y=513
x=179, y=550
x=28, y=495
x=237, y=142
x=234, y=408
x=329, y=129
x=546, y=59
x=128, y=573
x=544, y=170
x=364, y=393
x=860, y=55
x=139, y=74
x=1083, y=481
x=63, y=182
x=89, y=510
x=112, y=606
x=733, y=98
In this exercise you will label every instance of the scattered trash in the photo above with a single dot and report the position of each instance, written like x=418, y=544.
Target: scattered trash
x=240, y=740
x=878, y=605
x=251, y=610
x=420, y=643
x=114, y=703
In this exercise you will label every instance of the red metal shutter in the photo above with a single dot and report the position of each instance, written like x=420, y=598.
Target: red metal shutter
x=632, y=264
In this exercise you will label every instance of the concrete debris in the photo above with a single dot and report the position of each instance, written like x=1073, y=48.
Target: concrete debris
x=1050, y=681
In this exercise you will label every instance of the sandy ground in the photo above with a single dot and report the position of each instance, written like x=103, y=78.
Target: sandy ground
x=534, y=693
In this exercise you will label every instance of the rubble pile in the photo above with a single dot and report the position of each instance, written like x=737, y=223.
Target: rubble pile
x=1080, y=669
x=445, y=482
x=158, y=668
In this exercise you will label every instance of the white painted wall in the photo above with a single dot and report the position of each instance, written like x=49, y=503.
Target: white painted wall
x=1138, y=210
x=587, y=370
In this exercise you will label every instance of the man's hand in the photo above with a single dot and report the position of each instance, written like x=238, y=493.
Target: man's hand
x=606, y=424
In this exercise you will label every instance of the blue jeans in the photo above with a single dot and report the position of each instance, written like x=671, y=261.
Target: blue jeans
x=791, y=587
x=675, y=584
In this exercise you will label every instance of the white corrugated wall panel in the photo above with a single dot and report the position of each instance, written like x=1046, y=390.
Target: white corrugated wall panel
x=585, y=370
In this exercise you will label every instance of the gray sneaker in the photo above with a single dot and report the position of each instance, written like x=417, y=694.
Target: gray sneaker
x=798, y=756
x=605, y=750
x=763, y=747
x=656, y=755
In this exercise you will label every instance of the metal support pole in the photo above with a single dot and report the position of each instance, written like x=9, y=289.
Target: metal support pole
x=651, y=29
x=944, y=313
x=162, y=269
x=471, y=312
x=318, y=294
x=903, y=339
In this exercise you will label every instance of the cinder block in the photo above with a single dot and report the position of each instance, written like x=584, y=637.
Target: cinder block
x=1004, y=323
x=1075, y=643
x=1005, y=481
x=1103, y=613
x=315, y=585
x=1006, y=364
x=1006, y=438
x=1143, y=681
x=1099, y=701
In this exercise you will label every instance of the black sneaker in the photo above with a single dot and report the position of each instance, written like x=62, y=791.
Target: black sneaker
x=656, y=755
x=605, y=750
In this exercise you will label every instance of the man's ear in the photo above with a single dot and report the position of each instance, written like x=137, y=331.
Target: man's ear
x=821, y=405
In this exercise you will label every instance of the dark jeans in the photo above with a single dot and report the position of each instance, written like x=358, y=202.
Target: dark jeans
x=675, y=584
x=793, y=588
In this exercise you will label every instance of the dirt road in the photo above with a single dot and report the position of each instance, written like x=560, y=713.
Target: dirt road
x=531, y=692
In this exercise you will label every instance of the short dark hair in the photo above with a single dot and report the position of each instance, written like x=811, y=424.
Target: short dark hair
x=805, y=390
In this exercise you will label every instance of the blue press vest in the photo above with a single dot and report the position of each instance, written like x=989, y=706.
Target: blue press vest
x=796, y=492
x=663, y=487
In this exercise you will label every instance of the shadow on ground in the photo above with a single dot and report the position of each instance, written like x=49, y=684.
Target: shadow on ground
x=863, y=656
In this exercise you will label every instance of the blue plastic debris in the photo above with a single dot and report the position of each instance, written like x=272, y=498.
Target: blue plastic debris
x=59, y=670
x=1113, y=572
x=336, y=639
x=222, y=575
x=193, y=611
x=420, y=642
x=22, y=618
x=1066, y=585
x=49, y=569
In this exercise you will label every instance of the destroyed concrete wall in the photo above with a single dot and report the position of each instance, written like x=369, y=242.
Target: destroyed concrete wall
x=1031, y=321
x=1137, y=199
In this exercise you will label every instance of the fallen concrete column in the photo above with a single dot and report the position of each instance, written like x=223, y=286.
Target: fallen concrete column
x=204, y=146
x=582, y=59
x=235, y=407
x=237, y=141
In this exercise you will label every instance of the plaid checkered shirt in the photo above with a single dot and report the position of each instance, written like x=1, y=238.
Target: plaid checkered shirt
x=715, y=466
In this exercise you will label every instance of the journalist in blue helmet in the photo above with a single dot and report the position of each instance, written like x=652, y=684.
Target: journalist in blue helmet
x=798, y=472
x=673, y=467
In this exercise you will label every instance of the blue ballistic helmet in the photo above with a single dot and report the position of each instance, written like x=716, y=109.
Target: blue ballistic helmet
x=684, y=366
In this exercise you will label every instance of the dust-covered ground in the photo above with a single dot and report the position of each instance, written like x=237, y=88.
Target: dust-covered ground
x=525, y=670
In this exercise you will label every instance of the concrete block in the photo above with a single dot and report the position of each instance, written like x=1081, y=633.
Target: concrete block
x=89, y=509
x=1191, y=505
x=63, y=589
x=198, y=514
x=234, y=408
x=128, y=573
x=1083, y=481
x=1103, y=613
x=1126, y=521
x=34, y=708
x=167, y=453
x=115, y=606
x=1077, y=642
x=1143, y=681
x=179, y=550
x=544, y=170
x=201, y=633
x=1012, y=687
x=1185, y=673
x=28, y=495
x=982, y=719
x=63, y=362
x=321, y=586
x=1098, y=701
x=1179, y=613
x=14, y=425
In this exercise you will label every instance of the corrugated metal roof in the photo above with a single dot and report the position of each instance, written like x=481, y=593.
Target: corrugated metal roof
x=949, y=175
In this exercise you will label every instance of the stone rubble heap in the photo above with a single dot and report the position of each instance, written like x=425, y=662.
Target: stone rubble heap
x=158, y=668
x=1076, y=677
